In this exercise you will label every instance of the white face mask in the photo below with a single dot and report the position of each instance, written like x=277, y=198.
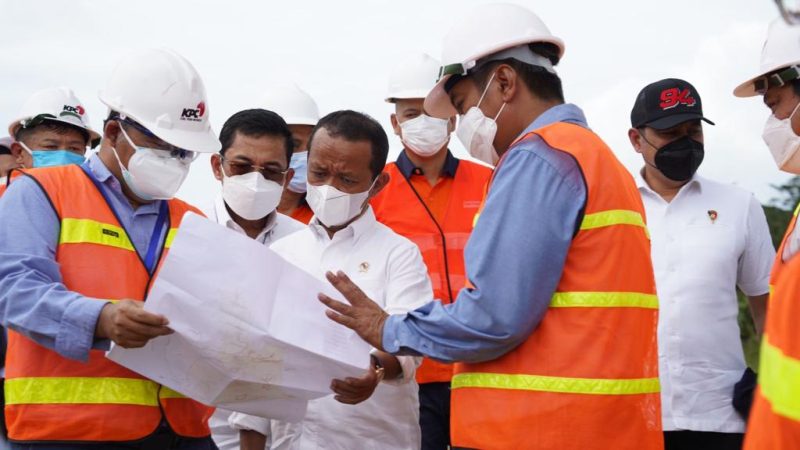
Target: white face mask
x=425, y=135
x=333, y=207
x=153, y=174
x=783, y=143
x=250, y=196
x=476, y=131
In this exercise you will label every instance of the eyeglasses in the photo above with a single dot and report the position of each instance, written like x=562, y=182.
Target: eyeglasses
x=243, y=168
x=169, y=150
x=780, y=78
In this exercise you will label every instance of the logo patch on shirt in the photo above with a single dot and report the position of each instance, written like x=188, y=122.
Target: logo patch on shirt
x=712, y=215
x=111, y=233
x=472, y=204
x=363, y=267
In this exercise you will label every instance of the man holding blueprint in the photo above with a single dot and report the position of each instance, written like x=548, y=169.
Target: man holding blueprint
x=347, y=153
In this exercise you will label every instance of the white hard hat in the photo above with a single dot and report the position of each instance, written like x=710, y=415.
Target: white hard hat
x=57, y=104
x=414, y=77
x=293, y=104
x=162, y=91
x=781, y=50
x=485, y=31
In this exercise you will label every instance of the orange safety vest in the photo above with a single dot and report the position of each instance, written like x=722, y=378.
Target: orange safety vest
x=775, y=418
x=52, y=398
x=441, y=244
x=587, y=376
x=302, y=213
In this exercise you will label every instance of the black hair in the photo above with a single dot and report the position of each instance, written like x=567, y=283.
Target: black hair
x=355, y=126
x=5, y=150
x=541, y=83
x=57, y=127
x=256, y=123
x=796, y=86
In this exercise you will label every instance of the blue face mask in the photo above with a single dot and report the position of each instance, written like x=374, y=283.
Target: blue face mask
x=299, y=163
x=53, y=158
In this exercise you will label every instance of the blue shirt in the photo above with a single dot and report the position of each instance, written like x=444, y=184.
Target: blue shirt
x=514, y=257
x=33, y=298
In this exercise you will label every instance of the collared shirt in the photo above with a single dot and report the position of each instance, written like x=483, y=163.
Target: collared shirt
x=710, y=238
x=277, y=226
x=436, y=197
x=33, y=298
x=515, y=256
x=389, y=269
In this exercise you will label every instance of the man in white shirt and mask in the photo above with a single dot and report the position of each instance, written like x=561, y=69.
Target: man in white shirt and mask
x=707, y=238
x=253, y=167
x=347, y=153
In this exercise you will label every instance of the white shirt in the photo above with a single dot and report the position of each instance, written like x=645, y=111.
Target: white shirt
x=390, y=270
x=709, y=239
x=277, y=226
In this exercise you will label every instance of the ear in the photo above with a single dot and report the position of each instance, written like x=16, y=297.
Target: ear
x=111, y=132
x=380, y=183
x=216, y=166
x=636, y=139
x=16, y=151
x=508, y=81
x=288, y=178
x=395, y=124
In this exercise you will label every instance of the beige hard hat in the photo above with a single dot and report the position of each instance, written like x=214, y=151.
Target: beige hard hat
x=58, y=104
x=781, y=51
x=414, y=77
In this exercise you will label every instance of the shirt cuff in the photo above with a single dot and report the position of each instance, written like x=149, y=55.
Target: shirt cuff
x=408, y=365
x=398, y=338
x=76, y=333
x=241, y=421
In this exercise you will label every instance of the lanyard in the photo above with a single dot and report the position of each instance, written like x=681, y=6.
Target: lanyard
x=163, y=211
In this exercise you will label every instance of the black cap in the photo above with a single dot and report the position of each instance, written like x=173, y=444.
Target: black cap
x=667, y=103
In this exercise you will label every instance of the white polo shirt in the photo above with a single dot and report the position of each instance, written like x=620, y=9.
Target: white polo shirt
x=709, y=239
x=390, y=270
x=278, y=226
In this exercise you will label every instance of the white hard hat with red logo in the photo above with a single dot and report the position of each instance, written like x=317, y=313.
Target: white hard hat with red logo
x=160, y=90
x=413, y=78
x=57, y=104
x=781, y=51
x=293, y=104
x=488, y=32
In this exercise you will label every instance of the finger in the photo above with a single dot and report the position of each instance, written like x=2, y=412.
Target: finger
x=341, y=387
x=128, y=326
x=349, y=322
x=347, y=288
x=363, y=382
x=146, y=317
x=348, y=400
x=336, y=305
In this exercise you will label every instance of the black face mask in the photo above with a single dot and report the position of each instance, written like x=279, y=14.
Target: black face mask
x=679, y=159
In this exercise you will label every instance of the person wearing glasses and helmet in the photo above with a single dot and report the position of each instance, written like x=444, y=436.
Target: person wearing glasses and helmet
x=52, y=130
x=774, y=421
x=81, y=247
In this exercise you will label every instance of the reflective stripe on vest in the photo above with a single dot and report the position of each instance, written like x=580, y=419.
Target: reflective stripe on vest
x=604, y=300
x=775, y=371
x=564, y=385
x=612, y=217
x=85, y=390
x=87, y=231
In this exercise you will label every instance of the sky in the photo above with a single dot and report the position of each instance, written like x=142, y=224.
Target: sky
x=342, y=52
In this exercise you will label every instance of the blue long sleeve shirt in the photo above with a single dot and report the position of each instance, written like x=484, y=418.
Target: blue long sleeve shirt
x=514, y=257
x=33, y=298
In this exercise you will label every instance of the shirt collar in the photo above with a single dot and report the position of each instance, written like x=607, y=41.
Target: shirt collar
x=566, y=112
x=99, y=169
x=355, y=230
x=407, y=168
x=224, y=218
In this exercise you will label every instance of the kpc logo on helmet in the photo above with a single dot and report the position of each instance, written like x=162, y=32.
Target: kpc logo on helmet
x=75, y=110
x=194, y=114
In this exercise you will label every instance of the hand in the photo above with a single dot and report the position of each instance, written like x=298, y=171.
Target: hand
x=352, y=391
x=363, y=316
x=129, y=325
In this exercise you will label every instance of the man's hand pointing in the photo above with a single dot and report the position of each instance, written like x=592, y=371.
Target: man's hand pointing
x=362, y=315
